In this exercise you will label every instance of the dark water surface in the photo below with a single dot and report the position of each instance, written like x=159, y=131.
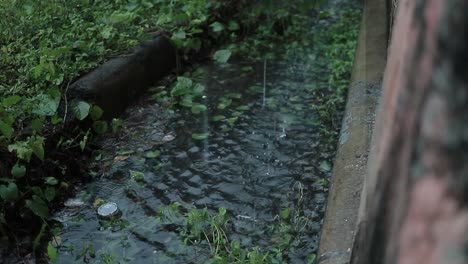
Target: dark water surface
x=265, y=156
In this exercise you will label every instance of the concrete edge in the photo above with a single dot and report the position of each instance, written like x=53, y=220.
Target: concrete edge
x=349, y=170
x=119, y=81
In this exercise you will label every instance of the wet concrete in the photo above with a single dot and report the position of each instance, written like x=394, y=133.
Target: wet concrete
x=350, y=164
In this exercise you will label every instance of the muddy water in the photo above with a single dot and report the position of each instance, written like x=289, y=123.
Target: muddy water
x=262, y=158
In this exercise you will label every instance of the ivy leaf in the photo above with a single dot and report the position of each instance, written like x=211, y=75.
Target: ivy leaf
x=38, y=206
x=222, y=56
x=18, y=171
x=9, y=192
x=81, y=110
x=6, y=129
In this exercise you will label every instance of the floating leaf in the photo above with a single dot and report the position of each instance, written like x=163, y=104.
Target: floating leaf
x=231, y=120
x=81, y=110
x=52, y=252
x=200, y=136
x=325, y=166
x=243, y=108
x=9, y=192
x=198, y=108
x=218, y=118
x=124, y=152
x=137, y=176
x=222, y=56
x=38, y=206
x=152, y=154
x=286, y=214
x=18, y=171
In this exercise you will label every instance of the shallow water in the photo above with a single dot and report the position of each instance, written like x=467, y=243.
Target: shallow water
x=265, y=156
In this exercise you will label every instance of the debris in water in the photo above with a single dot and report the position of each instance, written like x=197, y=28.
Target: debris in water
x=108, y=211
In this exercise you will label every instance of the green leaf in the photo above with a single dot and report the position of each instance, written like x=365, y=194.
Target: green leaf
x=233, y=95
x=100, y=127
x=96, y=112
x=11, y=100
x=247, y=69
x=6, y=129
x=46, y=104
x=152, y=154
x=243, y=108
x=182, y=86
x=198, y=89
x=311, y=258
x=325, y=166
x=222, y=56
x=256, y=89
x=217, y=27
x=36, y=124
x=50, y=180
x=9, y=192
x=137, y=176
x=198, y=108
x=233, y=26
x=218, y=118
x=52, y=252
x=231, y=120
x=179, y=34
x=38, y=206
x=200, y=136
x=49, y=193
x=286, y=214
x=81, y=110
x=18, y=170
x=37, y=147
x=22, y=149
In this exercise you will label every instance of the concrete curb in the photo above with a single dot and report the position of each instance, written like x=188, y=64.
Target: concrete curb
x=117, y=82
x=350, y=164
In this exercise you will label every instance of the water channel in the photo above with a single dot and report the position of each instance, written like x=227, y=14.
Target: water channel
x=256, y=151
